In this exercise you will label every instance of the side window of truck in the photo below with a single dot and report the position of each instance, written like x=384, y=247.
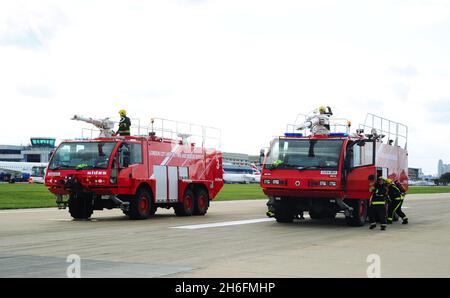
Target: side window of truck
x=362, y=154
x=124, y=155
x=136, y=153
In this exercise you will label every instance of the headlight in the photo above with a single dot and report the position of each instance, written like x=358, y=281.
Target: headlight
x=276, y=182
x=323, y=183
x=332, y=183
x=266, y=181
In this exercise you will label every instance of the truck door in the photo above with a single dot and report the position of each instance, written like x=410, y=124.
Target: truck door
x=360, y=168
x=130, y=163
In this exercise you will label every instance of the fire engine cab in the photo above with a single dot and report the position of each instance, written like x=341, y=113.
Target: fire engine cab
x=162, y=168
x=332, y=171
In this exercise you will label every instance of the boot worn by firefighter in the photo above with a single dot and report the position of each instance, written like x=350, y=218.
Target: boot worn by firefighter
x=383, y=227
x=389, y=221
x=270, y=214
x=372, y=226
x=405, y=221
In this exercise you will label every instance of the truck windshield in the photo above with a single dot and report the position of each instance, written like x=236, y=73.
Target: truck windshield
x=82, y=155
x=304, y=154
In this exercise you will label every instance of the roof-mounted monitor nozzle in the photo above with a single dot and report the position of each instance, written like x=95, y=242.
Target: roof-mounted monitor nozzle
x=104, y=125
x=317, y=123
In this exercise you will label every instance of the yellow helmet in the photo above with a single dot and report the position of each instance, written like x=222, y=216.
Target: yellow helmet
x=322, y=110
x=389, y=181
x=122, y=113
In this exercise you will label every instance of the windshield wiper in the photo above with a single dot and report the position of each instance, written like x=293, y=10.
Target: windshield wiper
x=307, y=167
x=281, y=166
x=287, y=166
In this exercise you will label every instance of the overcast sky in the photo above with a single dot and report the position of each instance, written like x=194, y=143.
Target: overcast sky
x=247, y=67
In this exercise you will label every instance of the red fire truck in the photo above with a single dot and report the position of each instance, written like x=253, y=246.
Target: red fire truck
x=330, y=173
x=137, y=174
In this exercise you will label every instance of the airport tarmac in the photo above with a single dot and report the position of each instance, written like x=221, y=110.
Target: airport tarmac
x=234, y=239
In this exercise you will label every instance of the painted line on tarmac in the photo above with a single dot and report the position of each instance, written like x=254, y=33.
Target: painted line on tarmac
x=225, y=224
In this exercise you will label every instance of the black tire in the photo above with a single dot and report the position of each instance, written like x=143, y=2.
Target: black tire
x=186, y=207
x=141, y=204
x=359, y=214
x=81, y=206
x=201, y=202
x=283, y=213
x=153, y=209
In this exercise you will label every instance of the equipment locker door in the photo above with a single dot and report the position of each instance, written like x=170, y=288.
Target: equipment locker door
x=360, y=169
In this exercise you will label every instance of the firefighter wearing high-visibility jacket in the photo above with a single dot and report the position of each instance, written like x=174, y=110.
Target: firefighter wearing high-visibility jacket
x=377, y=208
x=396, y=196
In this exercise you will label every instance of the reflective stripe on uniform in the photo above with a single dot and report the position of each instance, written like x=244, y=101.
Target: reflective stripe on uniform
x=378, y=203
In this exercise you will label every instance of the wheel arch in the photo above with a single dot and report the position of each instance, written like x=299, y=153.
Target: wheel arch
x=146, y=186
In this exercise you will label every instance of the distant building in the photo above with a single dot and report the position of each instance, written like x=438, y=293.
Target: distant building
x=443, y=168
x=11, y=153
x=237, y=159
x=38, y=151
x=255, y=159
x=415, y=174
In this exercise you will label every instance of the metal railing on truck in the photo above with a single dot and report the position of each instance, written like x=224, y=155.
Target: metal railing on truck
x=201, y=135
x=396, y=133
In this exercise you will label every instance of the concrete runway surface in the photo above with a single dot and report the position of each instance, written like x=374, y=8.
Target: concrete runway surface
x=234, y=239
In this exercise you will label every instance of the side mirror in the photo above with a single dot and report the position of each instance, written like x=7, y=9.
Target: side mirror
x=262, y=155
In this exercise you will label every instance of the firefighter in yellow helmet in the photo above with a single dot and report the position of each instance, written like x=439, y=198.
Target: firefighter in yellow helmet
x=124, y=124
x=326, y=111
x=396, y=194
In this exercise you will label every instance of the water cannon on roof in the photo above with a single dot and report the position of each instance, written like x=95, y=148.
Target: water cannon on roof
x=104, y=125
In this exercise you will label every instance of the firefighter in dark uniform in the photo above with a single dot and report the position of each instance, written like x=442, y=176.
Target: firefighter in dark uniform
x=377, y=208
x=124, y=124
x=396, y=194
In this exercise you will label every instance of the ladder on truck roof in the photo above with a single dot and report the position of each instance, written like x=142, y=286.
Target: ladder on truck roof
x=206, y=136
x=395, y=131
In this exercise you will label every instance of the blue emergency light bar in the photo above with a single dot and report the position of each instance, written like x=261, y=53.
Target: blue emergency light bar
x=338, y=134
x=293, y=134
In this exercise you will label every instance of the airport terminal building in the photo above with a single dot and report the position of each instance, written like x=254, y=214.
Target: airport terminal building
x=237, y=159
x=39, y=150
